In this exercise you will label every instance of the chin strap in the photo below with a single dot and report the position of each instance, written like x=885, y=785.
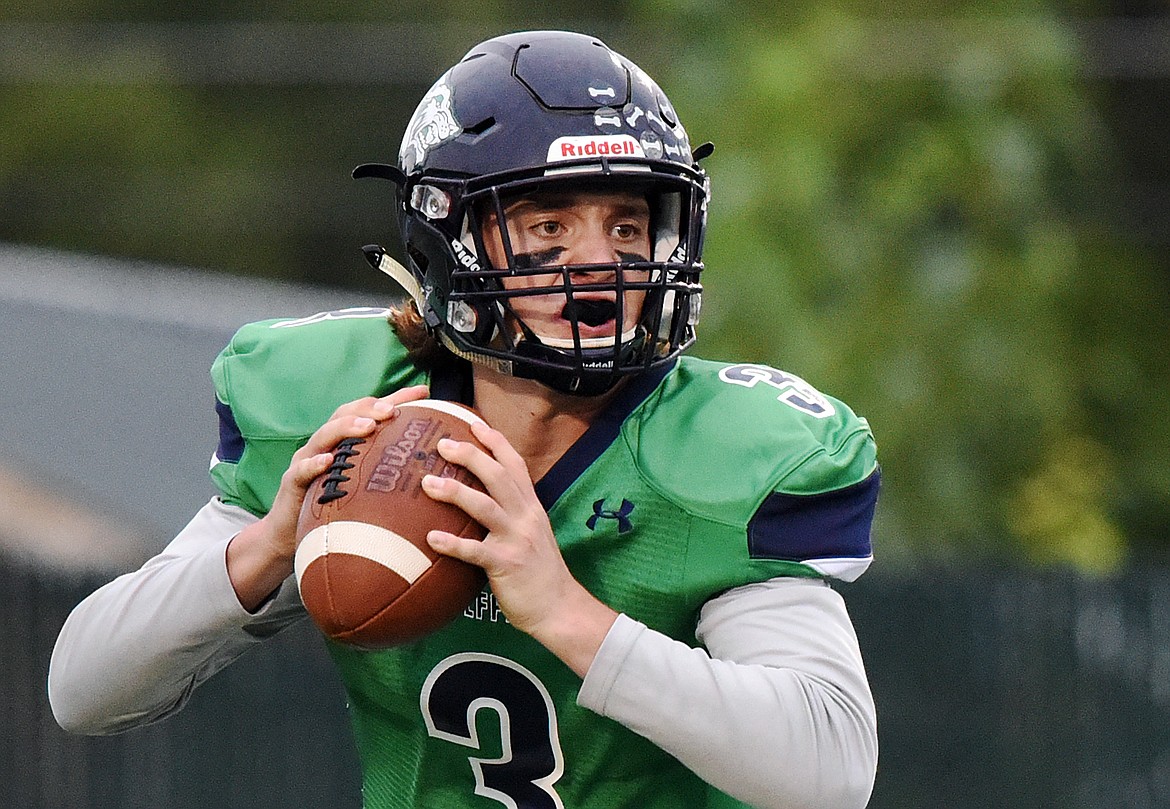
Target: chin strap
x=566, y=381
x=587, y=343
x=380, y=260
x=495, y=363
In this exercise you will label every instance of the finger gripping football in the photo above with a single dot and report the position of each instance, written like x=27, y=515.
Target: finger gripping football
x=366, y=574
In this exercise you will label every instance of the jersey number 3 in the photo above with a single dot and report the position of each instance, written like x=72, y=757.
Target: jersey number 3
x=530, y=761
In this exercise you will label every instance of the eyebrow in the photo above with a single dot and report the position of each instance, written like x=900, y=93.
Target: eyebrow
x=560, y=202
x=544, y=203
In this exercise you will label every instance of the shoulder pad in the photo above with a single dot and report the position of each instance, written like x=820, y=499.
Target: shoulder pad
x=727, y=436
x=278, y=380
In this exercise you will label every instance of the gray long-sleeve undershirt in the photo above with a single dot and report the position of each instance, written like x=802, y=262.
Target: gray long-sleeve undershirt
x=774, y=708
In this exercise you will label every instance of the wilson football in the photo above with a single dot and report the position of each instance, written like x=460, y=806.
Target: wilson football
x=366, y=574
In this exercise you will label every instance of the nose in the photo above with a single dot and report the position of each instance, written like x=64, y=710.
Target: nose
x=593, y=246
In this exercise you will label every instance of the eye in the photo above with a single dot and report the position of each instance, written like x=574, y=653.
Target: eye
x=548, y=228
x=628, y=231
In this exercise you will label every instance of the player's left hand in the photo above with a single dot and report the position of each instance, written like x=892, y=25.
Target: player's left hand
x=527, y=573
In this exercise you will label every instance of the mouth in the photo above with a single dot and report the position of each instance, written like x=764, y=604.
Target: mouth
x=591, y=312
x=596, y=323
x=593, y=317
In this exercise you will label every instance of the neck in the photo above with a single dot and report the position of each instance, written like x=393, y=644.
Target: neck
x=539, y=422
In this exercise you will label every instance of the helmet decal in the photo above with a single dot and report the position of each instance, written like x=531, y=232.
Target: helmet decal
x=433, y=124
x=607, y=116
x=573, y=147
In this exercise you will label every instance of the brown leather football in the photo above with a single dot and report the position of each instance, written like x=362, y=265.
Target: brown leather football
x=366, y=574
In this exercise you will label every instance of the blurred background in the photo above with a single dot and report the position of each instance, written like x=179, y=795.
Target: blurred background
x=953, y=216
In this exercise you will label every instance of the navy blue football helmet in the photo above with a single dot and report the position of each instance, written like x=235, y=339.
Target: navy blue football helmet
x=540, y=111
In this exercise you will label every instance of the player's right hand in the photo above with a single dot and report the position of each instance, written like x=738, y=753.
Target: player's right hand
x=260, y=557
x=355, y=419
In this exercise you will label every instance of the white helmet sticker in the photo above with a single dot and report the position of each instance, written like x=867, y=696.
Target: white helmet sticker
x=575, y=147
x=433, y=124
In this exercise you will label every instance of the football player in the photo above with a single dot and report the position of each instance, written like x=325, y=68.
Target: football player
x=658, y=628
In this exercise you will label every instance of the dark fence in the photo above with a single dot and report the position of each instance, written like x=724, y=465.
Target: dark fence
x=1019, y=689
x=268, y=733
x=994, y=688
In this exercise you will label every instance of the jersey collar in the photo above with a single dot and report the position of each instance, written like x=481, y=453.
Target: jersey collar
x=600, y=435
x=452, y=381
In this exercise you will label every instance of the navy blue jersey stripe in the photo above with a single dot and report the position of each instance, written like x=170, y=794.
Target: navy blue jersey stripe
x=601, y=433
x=231, y=440
x=833, y=525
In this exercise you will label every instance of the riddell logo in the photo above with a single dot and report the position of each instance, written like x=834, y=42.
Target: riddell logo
x=579, y=146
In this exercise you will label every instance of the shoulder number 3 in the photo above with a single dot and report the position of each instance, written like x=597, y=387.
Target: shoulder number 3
x=530, y=761
x=794, y=391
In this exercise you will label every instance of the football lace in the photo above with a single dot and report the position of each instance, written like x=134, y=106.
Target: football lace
x=331, y=490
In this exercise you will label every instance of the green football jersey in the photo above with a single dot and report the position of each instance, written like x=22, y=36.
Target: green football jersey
x=698, y=479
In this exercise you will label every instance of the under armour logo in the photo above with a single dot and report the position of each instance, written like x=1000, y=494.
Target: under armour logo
x=622, y=515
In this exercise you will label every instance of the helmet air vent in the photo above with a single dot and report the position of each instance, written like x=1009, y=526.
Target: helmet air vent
x=481, y=127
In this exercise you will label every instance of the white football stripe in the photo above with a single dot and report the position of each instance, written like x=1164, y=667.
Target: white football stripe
x=387, y=548
x=448, y=407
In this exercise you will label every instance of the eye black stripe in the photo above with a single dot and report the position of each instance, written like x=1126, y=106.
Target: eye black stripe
x=541, y=258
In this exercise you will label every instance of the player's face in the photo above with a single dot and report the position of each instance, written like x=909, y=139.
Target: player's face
x=563, y=229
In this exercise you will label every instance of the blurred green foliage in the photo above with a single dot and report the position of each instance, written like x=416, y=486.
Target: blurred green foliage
x=912, y=214
x=914, y=208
